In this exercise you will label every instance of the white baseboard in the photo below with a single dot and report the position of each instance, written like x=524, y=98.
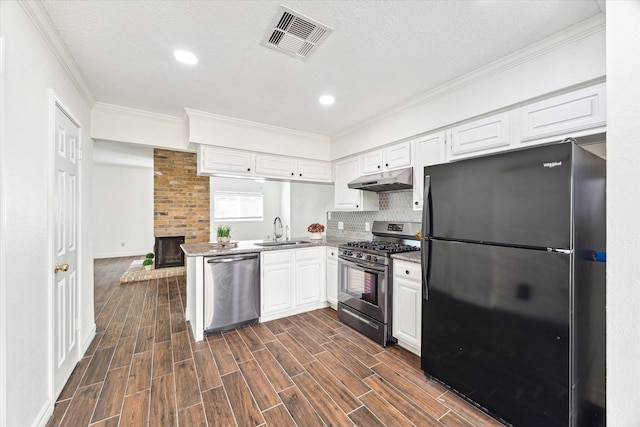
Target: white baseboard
x=43, y=415
x=86, y=342
x=118, y=254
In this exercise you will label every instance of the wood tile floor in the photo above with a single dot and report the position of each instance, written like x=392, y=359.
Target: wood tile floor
x=144, y=369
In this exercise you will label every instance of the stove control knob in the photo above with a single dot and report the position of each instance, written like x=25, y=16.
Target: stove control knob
x=359, y=255
x=374, y=259
x=368, y=257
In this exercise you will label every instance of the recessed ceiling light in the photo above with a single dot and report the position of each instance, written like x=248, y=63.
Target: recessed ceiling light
x=326, y=100
x=185, y=57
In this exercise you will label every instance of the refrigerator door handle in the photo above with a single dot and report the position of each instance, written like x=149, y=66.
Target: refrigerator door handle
x=426, y=208
x=425, y=260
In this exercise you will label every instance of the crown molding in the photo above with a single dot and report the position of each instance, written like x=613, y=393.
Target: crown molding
x=132, y=112
x=566, y=37
x=247, y=124
x=42, y=22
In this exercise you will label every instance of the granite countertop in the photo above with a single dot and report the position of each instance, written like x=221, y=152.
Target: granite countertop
x=408, y=256
x=249, y=246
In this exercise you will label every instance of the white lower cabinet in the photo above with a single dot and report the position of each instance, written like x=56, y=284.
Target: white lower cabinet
x=310, y=280
x=332, y=277
x=277, y=282
x=407, y=305
x=293, y=281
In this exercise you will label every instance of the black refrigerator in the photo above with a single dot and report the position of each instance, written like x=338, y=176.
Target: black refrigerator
x=513, y=308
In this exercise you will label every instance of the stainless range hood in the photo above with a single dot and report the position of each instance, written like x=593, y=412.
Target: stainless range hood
x=401, y=179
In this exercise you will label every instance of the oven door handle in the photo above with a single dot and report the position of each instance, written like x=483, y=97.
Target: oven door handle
x=362, y=267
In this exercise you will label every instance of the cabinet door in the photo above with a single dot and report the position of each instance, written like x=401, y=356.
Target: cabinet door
x=277, y=281
x=480, y=136
x=310, y=276
x=215, y=160
x=345, y=172
x=397, y=156
x=275, y=166
x=372, y=162
x=572, y=112
x=428, y=150
x=332, y=276
x=347, y=199
x=407, y=305
x=313, y=170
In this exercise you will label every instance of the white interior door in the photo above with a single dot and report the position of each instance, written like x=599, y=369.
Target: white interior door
x=65, y=203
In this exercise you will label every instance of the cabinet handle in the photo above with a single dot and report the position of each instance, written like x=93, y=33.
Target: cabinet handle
x=291, y=173
x=378, y=166
x=357, y=206
x=248, y=169
x=415, y=203
x=300, y=174
x=386, y=164
x=407, y=272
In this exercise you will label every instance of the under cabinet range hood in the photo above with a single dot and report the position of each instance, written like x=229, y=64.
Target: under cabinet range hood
x=401, y=179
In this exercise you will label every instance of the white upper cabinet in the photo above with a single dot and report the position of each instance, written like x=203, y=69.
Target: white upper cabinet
x=427, y=150
x=314, y=170
x=395, y=156
x=573, y=112
x=347, y=199
x=275, y=166
x=215, y=160
x=212, y=160
x=480, y=136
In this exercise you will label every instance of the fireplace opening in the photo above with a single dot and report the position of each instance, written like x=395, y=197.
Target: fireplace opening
x=168, y=252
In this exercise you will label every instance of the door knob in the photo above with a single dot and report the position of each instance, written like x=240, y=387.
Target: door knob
x=63, y=267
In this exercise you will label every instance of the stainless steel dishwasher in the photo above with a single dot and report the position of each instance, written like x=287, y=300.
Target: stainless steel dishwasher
x=231, y=291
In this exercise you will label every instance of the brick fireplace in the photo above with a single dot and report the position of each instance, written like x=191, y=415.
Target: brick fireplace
x=181, y=198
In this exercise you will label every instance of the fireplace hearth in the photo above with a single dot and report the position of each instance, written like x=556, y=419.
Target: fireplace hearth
x=168, y=251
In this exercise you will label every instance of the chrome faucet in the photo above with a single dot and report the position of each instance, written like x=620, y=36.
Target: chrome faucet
x=277, y=235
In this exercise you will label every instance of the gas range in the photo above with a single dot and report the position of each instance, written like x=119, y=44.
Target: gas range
x=365, y=278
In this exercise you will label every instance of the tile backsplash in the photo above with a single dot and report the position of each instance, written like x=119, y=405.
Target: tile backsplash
x=394, y=206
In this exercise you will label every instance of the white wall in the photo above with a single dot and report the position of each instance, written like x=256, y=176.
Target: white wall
x=623, y=211
x=309, y=203
x=30, y=71
x=249, y=230
x=122, y=200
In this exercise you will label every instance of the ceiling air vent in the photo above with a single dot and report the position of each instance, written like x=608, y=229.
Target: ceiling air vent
x=295, y=34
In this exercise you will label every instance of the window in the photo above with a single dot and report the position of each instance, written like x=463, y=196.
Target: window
x=237, y=206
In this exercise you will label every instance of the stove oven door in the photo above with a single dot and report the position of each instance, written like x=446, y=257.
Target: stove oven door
x=363, y=287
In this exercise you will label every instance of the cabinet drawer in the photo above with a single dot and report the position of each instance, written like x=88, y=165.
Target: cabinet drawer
x=407, y=270
x=332, y=253
x=277, y=257
x=308, y=253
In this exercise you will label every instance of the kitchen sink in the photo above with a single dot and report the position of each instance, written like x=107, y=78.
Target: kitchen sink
x=284, y=243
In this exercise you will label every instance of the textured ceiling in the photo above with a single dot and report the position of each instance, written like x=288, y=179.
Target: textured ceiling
x=380, y=54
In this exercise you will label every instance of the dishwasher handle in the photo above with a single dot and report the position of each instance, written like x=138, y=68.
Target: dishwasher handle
x=224, y=259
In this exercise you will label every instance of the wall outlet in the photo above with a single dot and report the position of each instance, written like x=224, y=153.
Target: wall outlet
x=329, y=216
x=367, y=226
x=340, y=225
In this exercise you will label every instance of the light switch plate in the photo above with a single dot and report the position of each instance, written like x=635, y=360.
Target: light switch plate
x=340, y=225
x=367, y=226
